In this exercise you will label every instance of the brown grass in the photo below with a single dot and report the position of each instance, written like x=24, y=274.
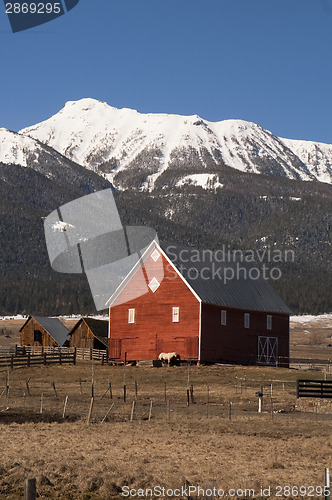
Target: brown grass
x=73, y=460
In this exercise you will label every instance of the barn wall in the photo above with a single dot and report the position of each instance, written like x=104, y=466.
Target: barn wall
x=27, y=335
x=153, y=331
x=233, y=343
x=82, y=337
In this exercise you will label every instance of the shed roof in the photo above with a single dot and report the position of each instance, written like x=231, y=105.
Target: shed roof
x=211, y=279
x=53, y=326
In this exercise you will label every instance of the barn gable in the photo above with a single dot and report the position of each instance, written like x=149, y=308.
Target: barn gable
x=90, y=333
x=146, y=323
x=39, y=330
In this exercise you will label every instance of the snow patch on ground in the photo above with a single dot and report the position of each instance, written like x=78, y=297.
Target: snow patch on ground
x=308, y=318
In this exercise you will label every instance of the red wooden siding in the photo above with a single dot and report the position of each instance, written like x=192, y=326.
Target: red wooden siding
x=153, y=331
x=233, y=343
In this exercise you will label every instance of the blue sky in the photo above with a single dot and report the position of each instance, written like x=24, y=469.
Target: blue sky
x=264, y=61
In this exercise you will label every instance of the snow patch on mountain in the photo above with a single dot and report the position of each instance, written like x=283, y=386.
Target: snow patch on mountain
x=206, y=181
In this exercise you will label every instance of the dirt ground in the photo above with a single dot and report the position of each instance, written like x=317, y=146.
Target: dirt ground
x=219, y=437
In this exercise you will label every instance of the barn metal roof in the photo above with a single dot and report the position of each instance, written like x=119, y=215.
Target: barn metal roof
x=208, y=277
x=54, y=327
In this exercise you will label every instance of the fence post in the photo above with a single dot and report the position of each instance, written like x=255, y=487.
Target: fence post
x=327, y=484
x=74, y=358
x=132, y=411
x=65, y=407
x=45, y=360
x=28, y=360
x=12, y=361
x=192, y=394
x=30, y=489
x=90, y=411
x=90, y=353
x=60, y=358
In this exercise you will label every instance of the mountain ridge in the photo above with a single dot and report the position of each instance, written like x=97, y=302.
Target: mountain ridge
x=116, y=142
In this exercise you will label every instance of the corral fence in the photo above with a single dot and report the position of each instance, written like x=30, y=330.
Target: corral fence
x=19, y=361
x=314, y=389
x=86, y=354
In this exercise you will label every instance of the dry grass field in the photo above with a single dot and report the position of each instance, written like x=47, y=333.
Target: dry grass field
x=182, y=446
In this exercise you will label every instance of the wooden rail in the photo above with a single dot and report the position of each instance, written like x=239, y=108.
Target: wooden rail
x=37, y=359
x=314, y=389
x=80, y=352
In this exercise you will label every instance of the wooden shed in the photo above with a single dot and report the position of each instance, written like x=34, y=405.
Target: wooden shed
x=90, y=333
x=45, y=332
x=179, y=300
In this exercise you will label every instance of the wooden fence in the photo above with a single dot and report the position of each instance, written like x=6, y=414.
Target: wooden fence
x=314, y=389
x=80, y=353
x=19, y=361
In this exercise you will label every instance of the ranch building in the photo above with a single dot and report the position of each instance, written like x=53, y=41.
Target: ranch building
x=196, y=304
x=89, y=333
x=44, y=332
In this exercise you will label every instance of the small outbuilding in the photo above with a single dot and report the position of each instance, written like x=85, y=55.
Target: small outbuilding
x=43, y=332
x=90, y=333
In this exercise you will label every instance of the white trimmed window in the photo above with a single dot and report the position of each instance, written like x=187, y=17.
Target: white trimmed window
x=131, y=315
x=246, y=320
x=155, y=255
x=175, y=314
x=223, y=319
x=154, y=285
x=269, y=322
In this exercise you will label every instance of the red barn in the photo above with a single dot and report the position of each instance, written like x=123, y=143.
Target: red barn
x=184, y=300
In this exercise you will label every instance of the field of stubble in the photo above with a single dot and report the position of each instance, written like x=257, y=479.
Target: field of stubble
x=187, y=445
x=219, y=436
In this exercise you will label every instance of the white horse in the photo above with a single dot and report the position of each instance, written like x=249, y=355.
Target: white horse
x=170, y=358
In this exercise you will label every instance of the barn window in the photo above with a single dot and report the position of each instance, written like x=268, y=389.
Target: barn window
x=155, y=255
x=223, y=317
x=131, y=315
x=269, y=322
x=246, y=320
x=175, y=314
x=154, y=285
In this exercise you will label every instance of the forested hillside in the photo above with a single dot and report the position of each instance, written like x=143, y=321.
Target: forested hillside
x=251, y=212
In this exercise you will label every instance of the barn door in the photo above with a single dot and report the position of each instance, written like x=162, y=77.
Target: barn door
x=268, y=350
x=191, y=347
x=115, y=348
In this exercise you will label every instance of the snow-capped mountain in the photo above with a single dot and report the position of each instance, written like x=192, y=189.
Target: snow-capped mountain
x=18, y=149
x=142, y=150
x=317, y=155
x=23, y=151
